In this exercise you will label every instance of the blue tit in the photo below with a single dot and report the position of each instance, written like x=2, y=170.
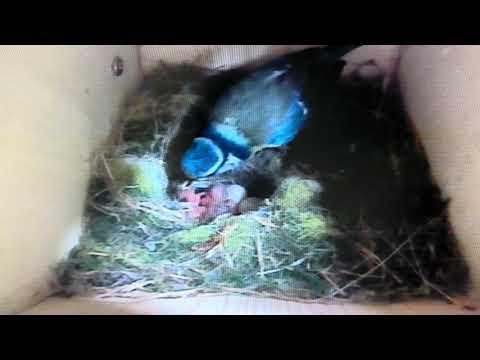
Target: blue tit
x=265, y=109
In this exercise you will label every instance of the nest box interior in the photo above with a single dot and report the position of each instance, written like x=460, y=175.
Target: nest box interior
x=69, y=113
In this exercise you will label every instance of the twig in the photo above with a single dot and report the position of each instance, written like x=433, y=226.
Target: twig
x=268, y=272
x=107, y=168
x=260, y=256
x=127, y=288
x=335, y=286
x=103, y=211
x=286, y=267
x=369, y=254
x=266, y=223
x=98, y=254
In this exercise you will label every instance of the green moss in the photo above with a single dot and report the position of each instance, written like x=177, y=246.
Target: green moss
x=312, y=226
x=145, y=174
x=296, y=192
x=196, y=235
x=243, y=234
x=296, y=211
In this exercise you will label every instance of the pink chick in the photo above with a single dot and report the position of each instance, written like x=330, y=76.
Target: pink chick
x=219, y=199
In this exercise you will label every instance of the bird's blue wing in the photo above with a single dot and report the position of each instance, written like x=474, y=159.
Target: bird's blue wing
x=261, y=107
x=289, y=127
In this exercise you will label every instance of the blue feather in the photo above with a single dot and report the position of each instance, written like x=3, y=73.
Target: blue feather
x=293, y=123
x=229, y=140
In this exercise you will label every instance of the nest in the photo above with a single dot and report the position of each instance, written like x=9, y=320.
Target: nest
x=368, y=233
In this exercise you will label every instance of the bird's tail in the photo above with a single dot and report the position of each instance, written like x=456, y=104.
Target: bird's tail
x=319, y=66
x=336, y=52
x=314, y=55
x=324, y=57
x=329, y=54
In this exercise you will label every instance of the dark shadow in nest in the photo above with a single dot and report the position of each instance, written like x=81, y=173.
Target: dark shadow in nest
x=379, y=189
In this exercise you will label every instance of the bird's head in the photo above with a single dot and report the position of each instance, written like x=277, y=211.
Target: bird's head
x=202, y=159
x=221, y=149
